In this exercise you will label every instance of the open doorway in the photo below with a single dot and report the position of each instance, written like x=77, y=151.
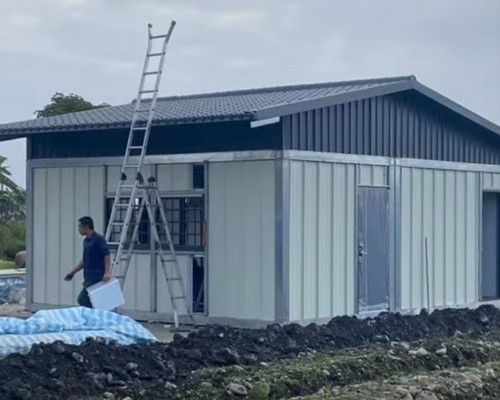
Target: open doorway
x=198, y=287
x=490, y=261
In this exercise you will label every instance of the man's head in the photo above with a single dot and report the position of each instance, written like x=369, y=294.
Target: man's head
x=85, y=226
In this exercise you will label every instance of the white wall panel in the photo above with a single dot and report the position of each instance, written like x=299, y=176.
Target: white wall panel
x=163, y=303
x=322, y=238
x=137, y=288
x=62, y=195
x=174, y=176
x=241, y=263
x=441, y=206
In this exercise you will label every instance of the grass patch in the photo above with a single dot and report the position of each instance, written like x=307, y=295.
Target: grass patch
x=7, y=264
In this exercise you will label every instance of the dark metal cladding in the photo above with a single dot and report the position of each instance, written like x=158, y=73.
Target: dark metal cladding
x=403, y=125
x=173, y=139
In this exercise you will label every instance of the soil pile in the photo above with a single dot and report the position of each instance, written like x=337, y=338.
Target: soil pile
x=56, y=371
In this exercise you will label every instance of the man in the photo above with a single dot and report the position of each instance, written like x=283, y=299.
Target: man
x=96, y=262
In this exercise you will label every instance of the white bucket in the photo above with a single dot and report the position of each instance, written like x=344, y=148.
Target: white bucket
x=106, y=295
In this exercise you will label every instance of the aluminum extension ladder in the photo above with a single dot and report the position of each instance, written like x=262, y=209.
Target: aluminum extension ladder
x=141, y=195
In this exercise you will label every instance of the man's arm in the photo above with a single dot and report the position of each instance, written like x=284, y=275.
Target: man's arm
x=103, y=245
x=107, y=268
x=78, y=268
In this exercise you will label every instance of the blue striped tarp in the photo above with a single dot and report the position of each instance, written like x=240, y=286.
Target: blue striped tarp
x=71, y=326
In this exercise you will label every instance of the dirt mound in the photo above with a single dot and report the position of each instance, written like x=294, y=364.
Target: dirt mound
x=56, y=371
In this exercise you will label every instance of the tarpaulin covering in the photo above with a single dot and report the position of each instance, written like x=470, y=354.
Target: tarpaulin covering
x=71, y=326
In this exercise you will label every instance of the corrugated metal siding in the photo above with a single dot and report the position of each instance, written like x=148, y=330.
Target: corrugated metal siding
x=182, y=139
x=322, y=239
x=399, y=125
x=241, y=262
x=444, y=207
x=62, y=196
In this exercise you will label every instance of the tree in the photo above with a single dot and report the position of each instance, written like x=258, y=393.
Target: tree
x=64, y=104
x=12, y=197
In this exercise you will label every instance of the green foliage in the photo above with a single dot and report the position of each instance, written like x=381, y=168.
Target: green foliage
x=12, y=239
x=12, y=197
x=64, y=104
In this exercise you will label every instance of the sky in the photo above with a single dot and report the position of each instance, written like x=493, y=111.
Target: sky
x=95, y=48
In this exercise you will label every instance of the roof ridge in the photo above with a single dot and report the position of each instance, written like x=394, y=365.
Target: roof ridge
x=283, y=88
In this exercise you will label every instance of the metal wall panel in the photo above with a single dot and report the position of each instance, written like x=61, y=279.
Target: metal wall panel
x=113, y=176
x=62, y=196
x=241, y=264
x=163, y=303
x=322, y=239
x=403, y=125
x=442, y=206
x=174, y=176
x=372, y=175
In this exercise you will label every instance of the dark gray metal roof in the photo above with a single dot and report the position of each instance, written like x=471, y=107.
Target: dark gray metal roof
x=235, y=105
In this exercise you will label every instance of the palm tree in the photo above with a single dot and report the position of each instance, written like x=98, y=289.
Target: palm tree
x=12, y=197
x=5, y=177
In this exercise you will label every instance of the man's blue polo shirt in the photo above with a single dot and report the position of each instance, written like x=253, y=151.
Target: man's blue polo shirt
x=95, y=249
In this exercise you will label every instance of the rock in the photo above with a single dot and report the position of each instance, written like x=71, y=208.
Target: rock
x=381, y=339
x=21, y=394
x=119, y=383
x=206, y=385
x=413, y=390
x=78, y=358
x=194, y=354
x=127, y=398
x=264, y=364
x=441, y=351
x=408, y=396
x=58, y=348
x=484, y=319
x=237, y=389
x=426, y=395
x=475, y=378
x=326, y=372
x=20, y=259
x=53, y=371
x=108, y=395
x=131, y=367
x=170, y=386
x=404, y=345
x=226, y=356
x=421, y=352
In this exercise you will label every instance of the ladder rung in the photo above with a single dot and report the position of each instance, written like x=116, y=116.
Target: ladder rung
x=152, y=72
x=178, y=297
x=147, y=91
x=113, y=243
x=144, y=109
x=135, y=147
x=158, y=36
x=140, y=128
x=174, y=279
x=155, y=54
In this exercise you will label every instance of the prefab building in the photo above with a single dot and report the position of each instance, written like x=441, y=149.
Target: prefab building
x=294, y=203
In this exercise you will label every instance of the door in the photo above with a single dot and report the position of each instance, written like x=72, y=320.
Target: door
x=490, y=282
x=373, y=249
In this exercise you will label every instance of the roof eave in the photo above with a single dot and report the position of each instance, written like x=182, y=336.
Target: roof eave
x=10, y=134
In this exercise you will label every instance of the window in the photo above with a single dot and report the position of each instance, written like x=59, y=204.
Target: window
x=185, y=217
x=143, y=234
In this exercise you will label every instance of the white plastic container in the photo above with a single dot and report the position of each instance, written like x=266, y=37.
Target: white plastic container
x=106, y=295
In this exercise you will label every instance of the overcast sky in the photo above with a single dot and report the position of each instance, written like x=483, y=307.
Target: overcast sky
x=95, y=48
